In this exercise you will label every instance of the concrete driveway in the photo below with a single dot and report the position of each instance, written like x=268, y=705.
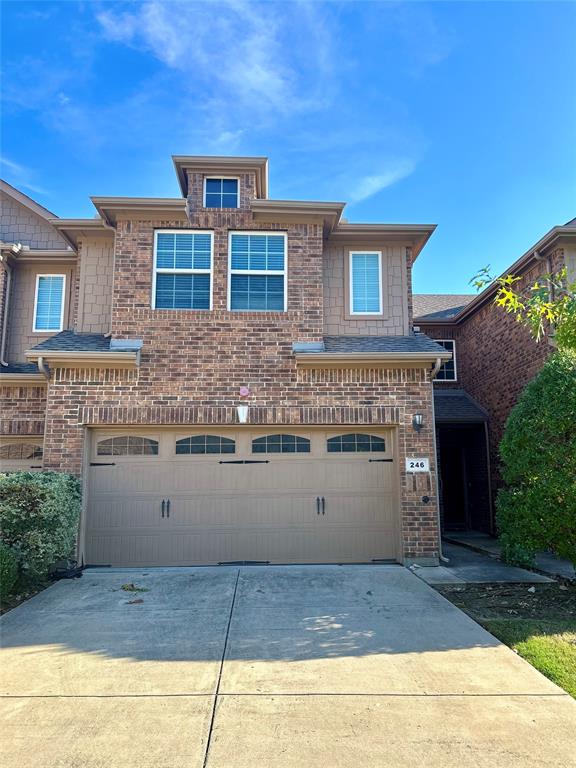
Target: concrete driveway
x=268, y=666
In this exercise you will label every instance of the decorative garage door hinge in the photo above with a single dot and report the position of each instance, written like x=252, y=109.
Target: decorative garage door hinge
x=374, y=460
x=243, y=461
x=102, y=463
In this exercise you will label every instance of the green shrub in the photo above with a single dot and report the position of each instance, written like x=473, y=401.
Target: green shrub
x=537, y=508
x=39, y=514
x=8, y=569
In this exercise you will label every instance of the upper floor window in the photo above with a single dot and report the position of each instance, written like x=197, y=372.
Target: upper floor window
x=49, y=303
x=447, y=370
x=365, y=283
x=182, y=270
x=220, y=193
x=257, y=274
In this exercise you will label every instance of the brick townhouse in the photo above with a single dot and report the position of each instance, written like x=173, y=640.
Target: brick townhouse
x=494, y=357
x=234, y=378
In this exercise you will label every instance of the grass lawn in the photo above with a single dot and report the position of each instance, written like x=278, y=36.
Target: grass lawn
x=539, y=625
x=550, y=646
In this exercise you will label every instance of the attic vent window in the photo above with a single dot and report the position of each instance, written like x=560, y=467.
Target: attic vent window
x=220, y=193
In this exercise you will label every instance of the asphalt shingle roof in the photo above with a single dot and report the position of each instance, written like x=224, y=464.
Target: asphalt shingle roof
x=372, y=344
x=439, y=306
x=456, y=405
x=68, y=341
x=20, y=368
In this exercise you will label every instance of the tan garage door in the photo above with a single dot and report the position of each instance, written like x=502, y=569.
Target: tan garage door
x=21, y=454
x=267, y=495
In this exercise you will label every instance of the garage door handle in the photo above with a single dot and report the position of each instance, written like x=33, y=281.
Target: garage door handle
x=163, y=504
x=168, y=508
x=317, y=505
x=323, y=505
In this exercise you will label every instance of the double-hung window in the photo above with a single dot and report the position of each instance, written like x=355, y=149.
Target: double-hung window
x=182, y=270
x=365, y=282
x=447, y=370
x=49, y=303
x=220, y=193
x=257, y=274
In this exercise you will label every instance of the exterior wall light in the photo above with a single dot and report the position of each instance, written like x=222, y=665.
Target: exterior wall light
x=417, y=422
x=242, y=409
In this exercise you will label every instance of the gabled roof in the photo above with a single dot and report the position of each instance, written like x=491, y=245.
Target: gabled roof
x=565, y=233
x=456, y=405
x=439, y=306
x=23, y=199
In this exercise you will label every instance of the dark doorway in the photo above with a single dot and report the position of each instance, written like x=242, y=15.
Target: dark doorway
x=464, y=480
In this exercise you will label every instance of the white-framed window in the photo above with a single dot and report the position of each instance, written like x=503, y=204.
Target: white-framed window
x=257, y=270
x=365, y=282
x=221, y=193
x=182, y=276
x=447, y=370
x=49, y=303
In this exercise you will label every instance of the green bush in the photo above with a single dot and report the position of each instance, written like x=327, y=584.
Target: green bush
x=8, y=569
x=39, y=514
x=537, y=508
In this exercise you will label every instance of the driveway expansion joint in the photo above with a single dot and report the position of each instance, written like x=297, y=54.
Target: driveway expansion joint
x=217, y=691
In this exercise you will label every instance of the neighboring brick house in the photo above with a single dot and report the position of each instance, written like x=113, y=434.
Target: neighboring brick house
x=494, y=358
x=134, y=341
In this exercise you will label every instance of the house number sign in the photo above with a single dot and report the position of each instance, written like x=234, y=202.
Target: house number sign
x=417, y=464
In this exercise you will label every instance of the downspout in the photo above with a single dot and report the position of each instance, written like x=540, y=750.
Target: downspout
x=437, y=366
x=110, y=226
x=43, y=368
x=15, y=249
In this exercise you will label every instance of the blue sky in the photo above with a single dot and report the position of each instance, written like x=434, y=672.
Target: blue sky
x=460, y=114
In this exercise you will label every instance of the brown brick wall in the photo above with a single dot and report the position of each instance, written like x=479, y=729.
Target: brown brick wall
x=23, y=410
x=497, y=357
x=95, y=397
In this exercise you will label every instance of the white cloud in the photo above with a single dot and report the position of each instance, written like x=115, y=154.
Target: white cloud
x=371, y=184
x=256, y=57
x=19, y=175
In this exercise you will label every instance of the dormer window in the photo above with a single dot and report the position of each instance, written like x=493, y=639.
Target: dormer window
x=220, y=193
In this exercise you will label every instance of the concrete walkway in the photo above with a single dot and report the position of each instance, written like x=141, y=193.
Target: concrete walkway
x=546, y=562
x=466, y=566
x=279, y=667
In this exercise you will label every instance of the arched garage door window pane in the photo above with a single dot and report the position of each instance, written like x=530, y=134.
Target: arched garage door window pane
x=203, y=444
x=20, y=451
x=356, y=443
x=281, y=444
x=128, y=445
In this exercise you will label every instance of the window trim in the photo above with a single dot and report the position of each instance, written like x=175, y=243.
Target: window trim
x=380, y=312
x=221, y=178
x=276, y=272
x=61, y=325
x=455, y=379
x=168, y=271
